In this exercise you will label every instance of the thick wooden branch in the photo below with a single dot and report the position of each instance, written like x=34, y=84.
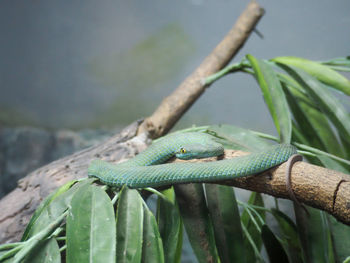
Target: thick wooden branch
x=313, y=185
x=18, y=206
x=175, y=105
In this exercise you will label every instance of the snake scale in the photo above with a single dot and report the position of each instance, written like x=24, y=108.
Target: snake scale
x=147, y=169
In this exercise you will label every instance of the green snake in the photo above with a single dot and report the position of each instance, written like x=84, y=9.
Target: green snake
x=147, y=169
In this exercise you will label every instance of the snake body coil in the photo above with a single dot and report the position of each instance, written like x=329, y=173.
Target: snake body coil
x=146, y=170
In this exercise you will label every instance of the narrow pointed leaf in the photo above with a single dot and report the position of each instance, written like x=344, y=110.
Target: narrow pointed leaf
x=8, y=252
x=44, y=204
x=329, y=104
x=340, y=236
x=226, y=221
x=273, y=247
x=333, y=164
x=52, y=207
x=314, y=124
x=342, y=61
x=297, y=135
x=322, y=72
x=313, y=235
x=170, y=226
x=129, y=220
x=255, y=199
x=290, y=235
x=48, y=252
x=319, y=152
x=238, y=138
x=195, y=216
x=301, y=119
x=152, y=246
x=91, y=227
x=338, y=64
x=274, y=97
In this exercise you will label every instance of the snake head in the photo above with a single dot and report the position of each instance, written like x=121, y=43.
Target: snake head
x=197, y=151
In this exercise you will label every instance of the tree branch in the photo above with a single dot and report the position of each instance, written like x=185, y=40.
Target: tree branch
x=313, y=185
x=18, y=206
x=175, y=105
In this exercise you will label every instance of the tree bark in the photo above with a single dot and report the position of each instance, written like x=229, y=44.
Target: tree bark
x=18, y=206
x=313, y=185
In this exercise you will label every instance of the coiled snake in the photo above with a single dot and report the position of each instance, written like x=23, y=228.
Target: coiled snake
x=147, y=169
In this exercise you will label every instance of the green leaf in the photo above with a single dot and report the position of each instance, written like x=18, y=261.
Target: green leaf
x=301, y=119
x=332, y=164
x=329, y=104
x=152, y=246
x=227, y=223
x=170, y=226
x=43, y=205
x=314, y=124
x=274, y=97
x=318, y=152
x=340, y=236
x=47, y=252
x=8, y=251
x=321, y=72
x=53, y=207
x=91, y=227
x=338, y=64
x=248, y=221
x=290, y=235
x=228, y=69
x=129, y=220
x=233, y=137
x=297, y=135
x=313, y=232
x=273, y=247
x=342, y=61
x=195, y=216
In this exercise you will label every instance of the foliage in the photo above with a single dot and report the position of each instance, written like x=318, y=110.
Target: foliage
x=82, y=222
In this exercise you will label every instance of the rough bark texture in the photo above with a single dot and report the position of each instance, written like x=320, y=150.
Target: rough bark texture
x=313, y=185
x=18, y=206
x=175, y=105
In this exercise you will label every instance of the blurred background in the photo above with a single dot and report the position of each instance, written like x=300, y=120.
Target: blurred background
x=101, y=64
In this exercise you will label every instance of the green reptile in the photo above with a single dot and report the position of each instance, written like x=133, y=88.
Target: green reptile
x=147, y=169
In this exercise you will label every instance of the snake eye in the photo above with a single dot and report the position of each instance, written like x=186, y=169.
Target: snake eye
x=182, y=150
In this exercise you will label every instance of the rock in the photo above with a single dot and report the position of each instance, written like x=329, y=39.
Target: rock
x=25, y=149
